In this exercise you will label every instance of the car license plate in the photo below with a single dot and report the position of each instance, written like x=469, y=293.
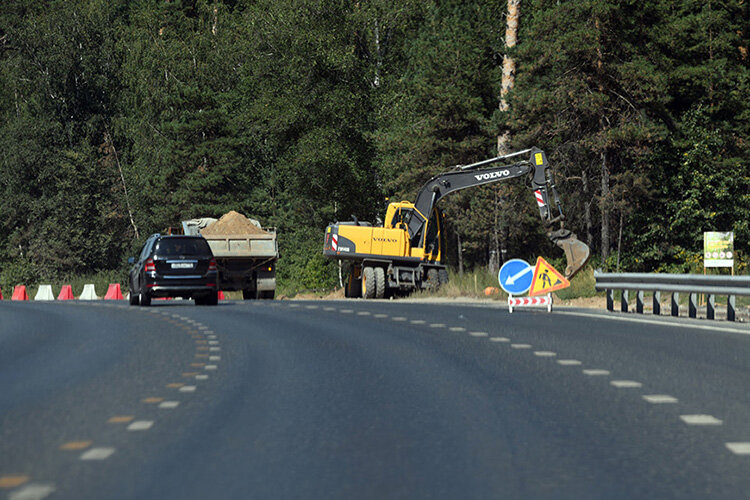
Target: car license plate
x=182, y=265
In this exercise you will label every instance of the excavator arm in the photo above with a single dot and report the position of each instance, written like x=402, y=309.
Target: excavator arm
x=542, y=182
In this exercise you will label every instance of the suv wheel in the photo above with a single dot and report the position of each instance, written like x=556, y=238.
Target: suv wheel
x=134, y=298
x=144, y=299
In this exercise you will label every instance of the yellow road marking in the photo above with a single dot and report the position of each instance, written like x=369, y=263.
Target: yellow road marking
x=201, y=355
x=152, y=400
x=12, y=481
x=198, y=365
x=174, y=385
x=120, y=419
x=202, y=348
x=75, y=445
x=201, y=341
x=190, y=374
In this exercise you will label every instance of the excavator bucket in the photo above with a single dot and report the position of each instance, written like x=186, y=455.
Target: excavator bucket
x=577, y=253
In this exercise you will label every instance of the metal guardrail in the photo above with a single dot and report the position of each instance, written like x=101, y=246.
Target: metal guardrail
x=691, y=284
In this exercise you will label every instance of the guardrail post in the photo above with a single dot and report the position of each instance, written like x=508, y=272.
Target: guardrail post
x=610, y=300
x=657, y=303
x=675, y=303
x=693, y=305
x=639, y=301
x=624, y=301
x=711, y=306
x=730, y=308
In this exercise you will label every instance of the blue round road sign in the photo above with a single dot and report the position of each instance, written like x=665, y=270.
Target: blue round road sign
x=515, y=276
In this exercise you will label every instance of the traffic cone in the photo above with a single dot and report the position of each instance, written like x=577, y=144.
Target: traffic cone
x=221, y=295
x=19, y=293
x=1, y=294
x=44, y=293
x=66, y=293
x=114, y=293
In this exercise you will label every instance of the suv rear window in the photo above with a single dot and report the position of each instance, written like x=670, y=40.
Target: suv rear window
x=173, y=247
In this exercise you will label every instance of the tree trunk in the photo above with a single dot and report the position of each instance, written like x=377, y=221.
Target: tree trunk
x=619, y=241
x=509, y=68
x=460, y=254
x=587, y=209
x=605, y=206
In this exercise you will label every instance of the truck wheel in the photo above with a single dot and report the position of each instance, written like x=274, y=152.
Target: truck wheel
x=442, y=276
x=368, y=283
x=433, y=279
x=379, y=282
x=248, y=294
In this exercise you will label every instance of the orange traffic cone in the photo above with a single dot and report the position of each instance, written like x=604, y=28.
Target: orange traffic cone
x=114, y=293
x=1, y=294
x=66, y=293
x=221, y=295
x=19, y=293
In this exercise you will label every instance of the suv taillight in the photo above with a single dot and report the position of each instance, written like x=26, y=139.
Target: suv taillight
x=212, y=265
x=150, y=266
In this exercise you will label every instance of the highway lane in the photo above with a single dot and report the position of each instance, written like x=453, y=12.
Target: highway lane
x=294, y=399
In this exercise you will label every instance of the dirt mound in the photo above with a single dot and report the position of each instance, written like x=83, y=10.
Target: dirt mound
x=232, y=223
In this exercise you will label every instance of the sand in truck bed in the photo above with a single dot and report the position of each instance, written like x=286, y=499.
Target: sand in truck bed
x=232, y=223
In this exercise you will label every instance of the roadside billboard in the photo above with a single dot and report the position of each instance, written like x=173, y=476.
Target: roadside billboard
x=718, y=249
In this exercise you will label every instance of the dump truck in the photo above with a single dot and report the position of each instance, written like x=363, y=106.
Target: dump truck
x=245, y=253
x=407, y=252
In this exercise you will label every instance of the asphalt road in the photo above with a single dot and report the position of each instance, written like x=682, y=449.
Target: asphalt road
x=367, y=399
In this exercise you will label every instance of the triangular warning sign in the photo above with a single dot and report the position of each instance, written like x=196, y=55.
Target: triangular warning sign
x=546, y=279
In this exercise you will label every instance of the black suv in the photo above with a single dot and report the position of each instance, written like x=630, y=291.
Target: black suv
x=174, y=266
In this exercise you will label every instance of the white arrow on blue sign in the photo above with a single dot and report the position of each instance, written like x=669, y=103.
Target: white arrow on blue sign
x=515, y=276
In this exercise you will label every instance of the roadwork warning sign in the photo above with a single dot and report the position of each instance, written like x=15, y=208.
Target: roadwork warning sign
x=546, y=279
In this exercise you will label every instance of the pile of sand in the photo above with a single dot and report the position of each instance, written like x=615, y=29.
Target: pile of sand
x=232, y=223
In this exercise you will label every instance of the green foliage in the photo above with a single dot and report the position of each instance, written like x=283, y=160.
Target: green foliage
x=300, y=113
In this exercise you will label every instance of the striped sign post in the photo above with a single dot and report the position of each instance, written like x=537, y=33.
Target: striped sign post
x=543, y=301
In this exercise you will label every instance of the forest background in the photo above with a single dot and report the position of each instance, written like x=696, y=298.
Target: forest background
x=121, y=118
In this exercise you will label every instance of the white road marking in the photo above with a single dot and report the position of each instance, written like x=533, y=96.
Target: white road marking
x=398, y=318
x=626, y=384
x=97, y=454
x=32, y=492
x=478, y=334
x=346, y=311
x=329, y=308
x=201, y=377
x=545, y=354
x=700, y=420
x=210, y=367
x=457, y=329
x=214, y=358
x=680, y=324
x=202, y=327
x=499, y=339
x=169, y=404
x=214, y=349
x=521, y=346
x=141, y=425
x=211, y=337
x=568, y=362
x=659, y=399
x=739, y=448
x=363, y=313
x=595, y=373
x=293, y=305
x=380, y=315
x=311, y=307
x=213, y=342
x=437, y=325
x=418, y=322
x=187, y=388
